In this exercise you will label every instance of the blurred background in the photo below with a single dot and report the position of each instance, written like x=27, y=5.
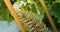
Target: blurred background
x=8, y=24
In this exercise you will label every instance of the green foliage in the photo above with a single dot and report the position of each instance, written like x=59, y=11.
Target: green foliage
x=53, y=6
x=4, y=12
x=40, y=16
x=55, y=10
x=57, y=1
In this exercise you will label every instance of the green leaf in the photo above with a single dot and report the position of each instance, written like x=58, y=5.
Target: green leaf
x=40, y=16
x=58, y=21
x=32, y=8
x=55, y=10
x=4, y=12
x=30, y=1
x=57, y=1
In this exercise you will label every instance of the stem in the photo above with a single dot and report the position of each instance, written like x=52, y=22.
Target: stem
x=10, y=7
x=36, y=6
x=48, y=15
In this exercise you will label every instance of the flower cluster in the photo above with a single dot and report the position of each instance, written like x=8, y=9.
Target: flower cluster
x=17, y=5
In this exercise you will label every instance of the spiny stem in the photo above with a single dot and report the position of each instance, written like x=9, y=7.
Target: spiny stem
x=10, y=7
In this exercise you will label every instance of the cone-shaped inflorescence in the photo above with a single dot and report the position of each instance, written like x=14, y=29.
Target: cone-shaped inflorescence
x=31, y=23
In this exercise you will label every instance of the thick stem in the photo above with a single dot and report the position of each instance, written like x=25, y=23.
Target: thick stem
x=10, y=7
x=48, y=15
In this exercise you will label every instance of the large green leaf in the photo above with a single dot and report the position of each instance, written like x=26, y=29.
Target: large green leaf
x=55, y=10
x=4, y=12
